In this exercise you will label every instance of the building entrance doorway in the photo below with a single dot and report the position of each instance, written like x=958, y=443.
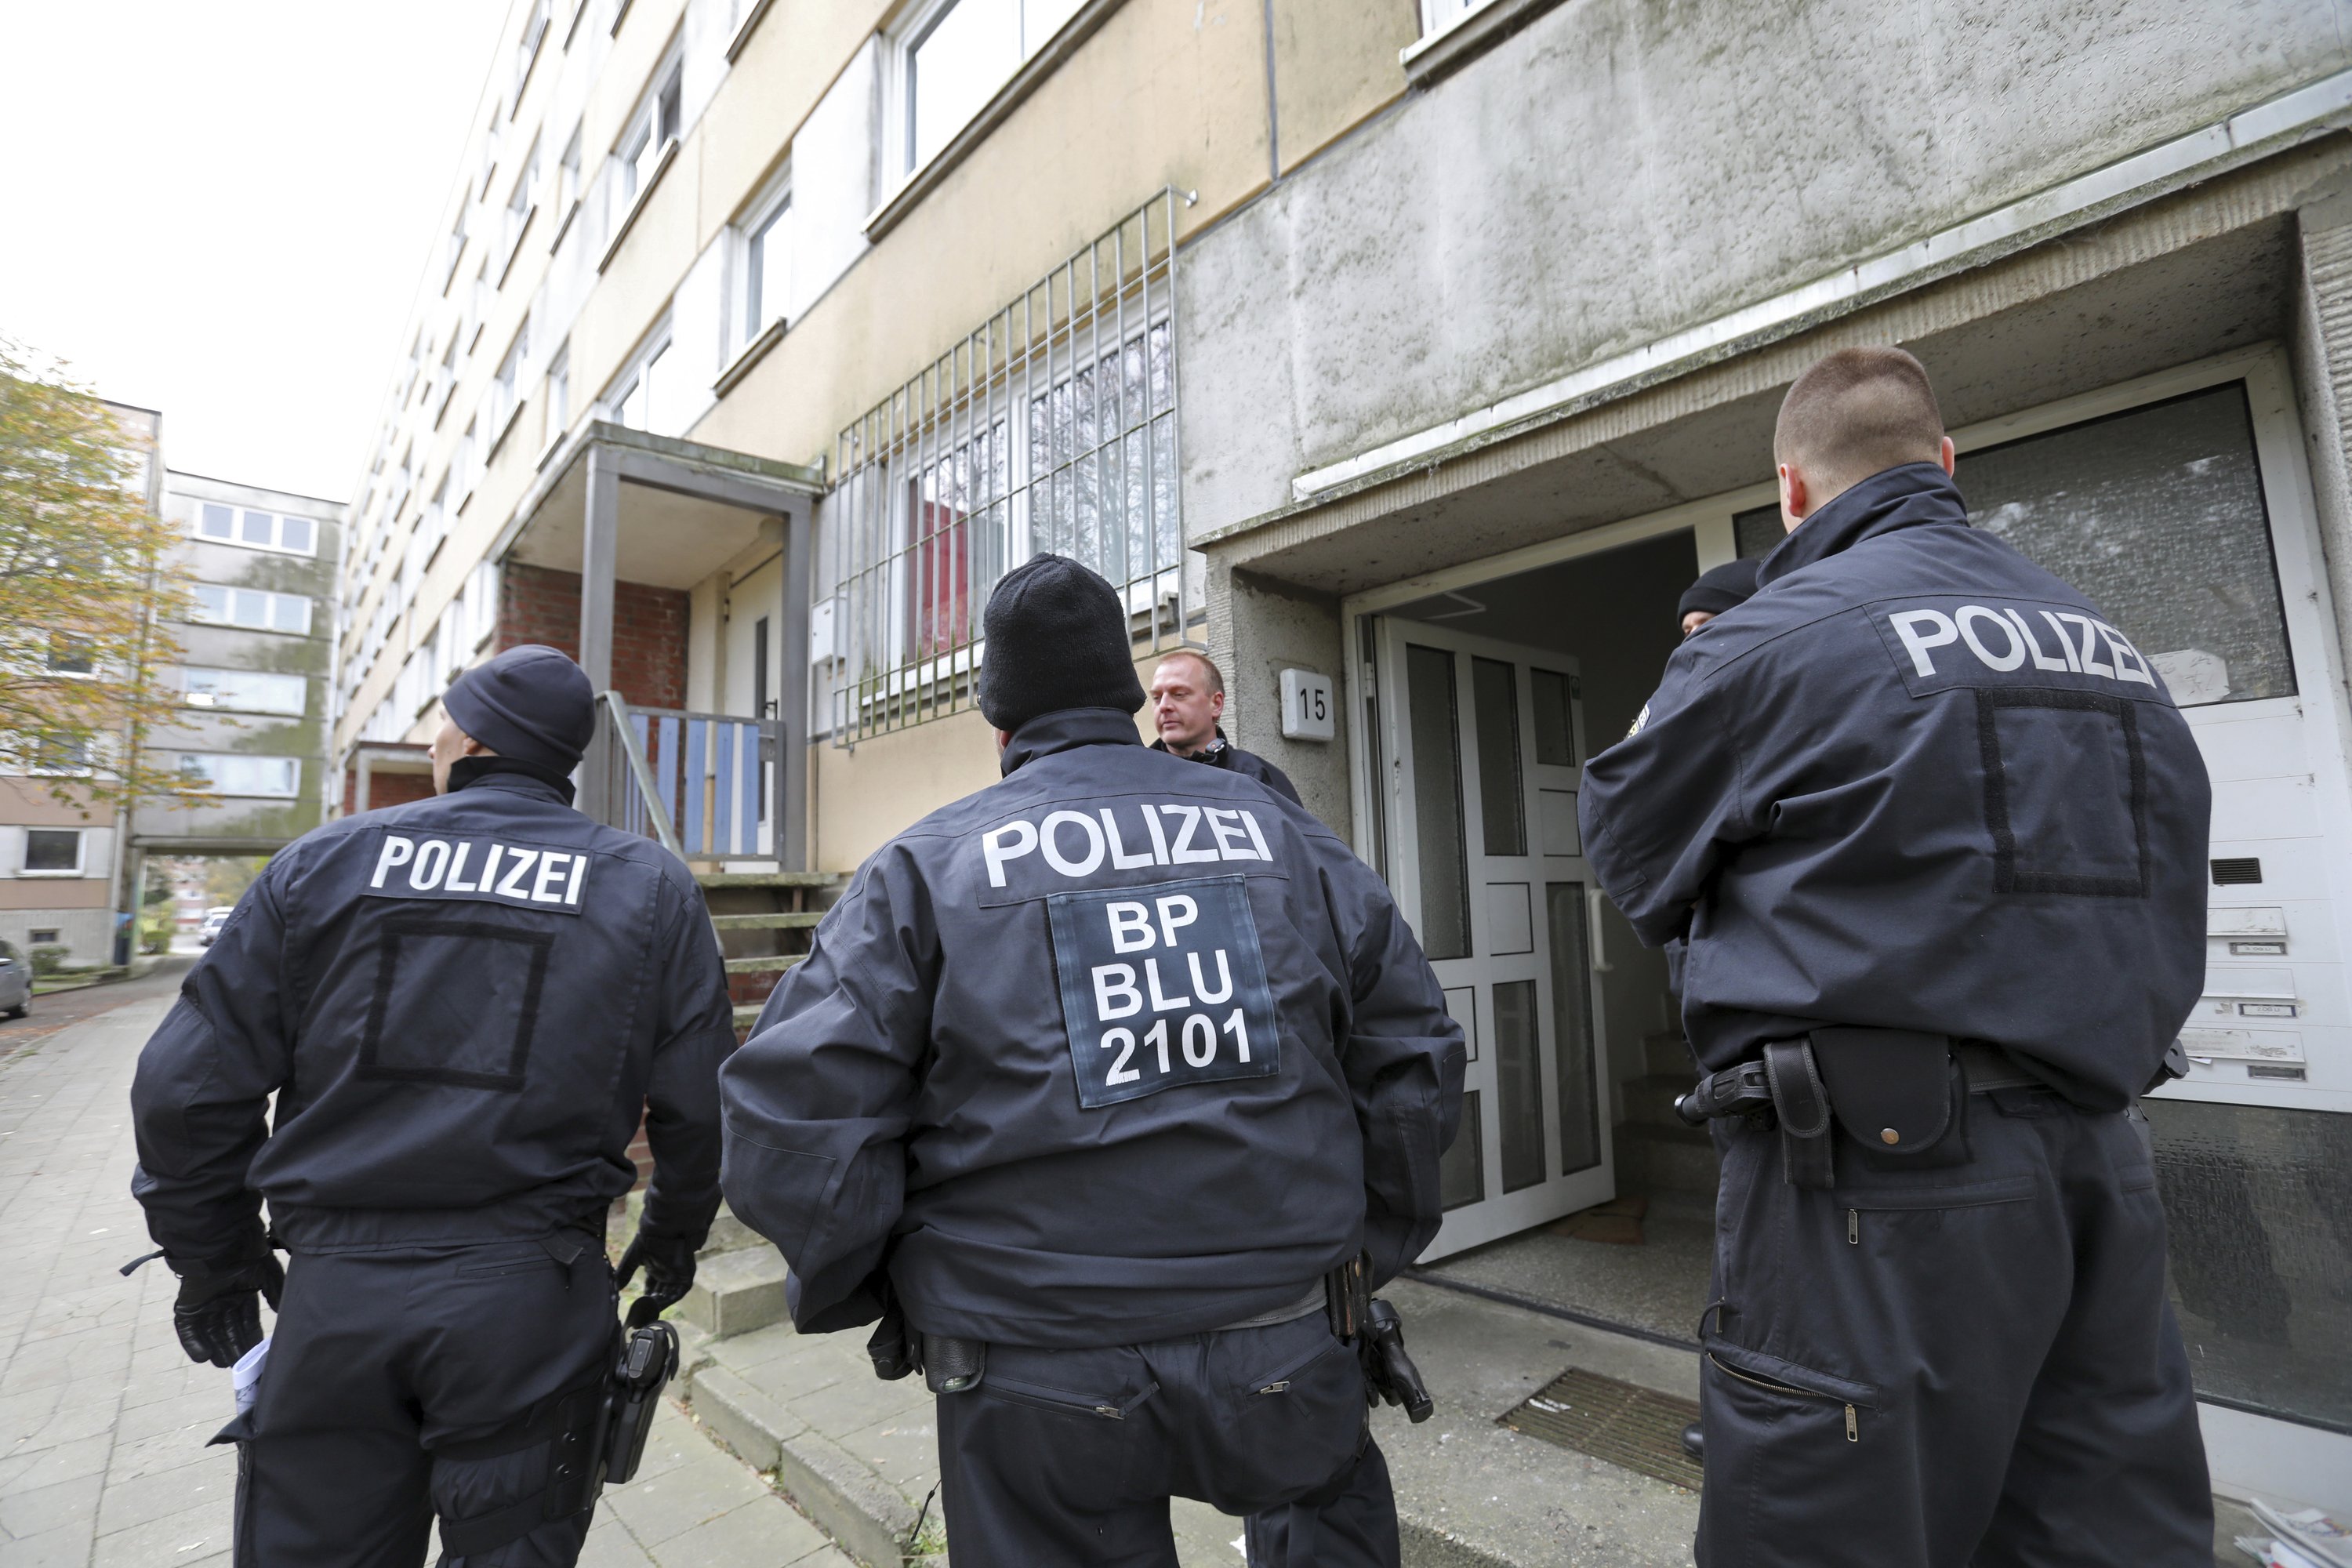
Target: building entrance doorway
x=1491, y=735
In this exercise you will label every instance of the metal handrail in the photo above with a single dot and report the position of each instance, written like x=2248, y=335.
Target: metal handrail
x=624, y=735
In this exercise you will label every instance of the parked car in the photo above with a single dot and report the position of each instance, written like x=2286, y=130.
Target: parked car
x=214, y=918
x=15, y=982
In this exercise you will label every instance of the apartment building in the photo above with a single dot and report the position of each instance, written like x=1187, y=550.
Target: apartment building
x=63, y=859
x=256, y=638
x=1412, y=357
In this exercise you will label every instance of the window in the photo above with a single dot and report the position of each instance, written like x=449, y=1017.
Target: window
x=251, y=608
x=534, y=32
x=2158, y=515
x=256, y=530
x=491, y=149
x=457, y=246
x=61, y=754
x=41, y=936
x=655, y=127
x=445, y=380
x=500, y=404
x=52, y=852
x=244, y=692
x=228, y=774
x=477, y=306
x=467, y=465
x=960, y=53
x=558, y=395
x=69, y=656
x=1437, y=16
x=643, y=397
x=767, y=268
x=567, y=181
x=519, y=208
x=1050, y=431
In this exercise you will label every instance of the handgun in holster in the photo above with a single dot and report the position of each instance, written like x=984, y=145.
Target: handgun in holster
x=1373, y=1328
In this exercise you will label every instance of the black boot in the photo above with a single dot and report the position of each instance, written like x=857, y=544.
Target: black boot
x=1695, y=1442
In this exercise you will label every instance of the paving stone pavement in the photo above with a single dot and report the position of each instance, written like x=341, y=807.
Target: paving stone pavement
x=103, y=1421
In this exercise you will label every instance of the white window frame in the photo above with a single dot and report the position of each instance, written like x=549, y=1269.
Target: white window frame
x=569, y=190
x=1443, y=15
x=521, y=206
x=535, y=34
x=501, y=403
x=752, y=312
x=632, y=379
x=899, y=106
x=197, y=616
x=81, y=853
x=637, y=156
x=189, y=696
x=275, y=545
x=211, y=785
x=558, y=394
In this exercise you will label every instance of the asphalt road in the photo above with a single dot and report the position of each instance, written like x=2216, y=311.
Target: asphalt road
x=56, y=1010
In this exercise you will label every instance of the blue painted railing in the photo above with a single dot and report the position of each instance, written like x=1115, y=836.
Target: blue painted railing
x=701, y=783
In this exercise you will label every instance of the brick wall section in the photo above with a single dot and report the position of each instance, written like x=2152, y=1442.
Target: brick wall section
x=538, y=604
x=384, y=789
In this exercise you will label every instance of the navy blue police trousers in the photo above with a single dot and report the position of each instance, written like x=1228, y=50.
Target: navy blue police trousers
x=1973, y=1363
x=1066, y=1459
x=400, y=1387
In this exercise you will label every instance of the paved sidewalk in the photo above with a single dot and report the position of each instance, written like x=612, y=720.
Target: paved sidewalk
x=103, y=1420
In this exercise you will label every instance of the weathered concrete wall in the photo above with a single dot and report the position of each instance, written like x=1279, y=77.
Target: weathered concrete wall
x=2320, y=347
x=1644, y=165
x=1269, y=628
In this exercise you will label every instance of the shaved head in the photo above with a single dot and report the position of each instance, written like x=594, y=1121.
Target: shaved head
x=1856, y=413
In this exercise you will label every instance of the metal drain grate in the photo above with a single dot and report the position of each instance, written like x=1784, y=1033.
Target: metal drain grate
x=1639, y=1428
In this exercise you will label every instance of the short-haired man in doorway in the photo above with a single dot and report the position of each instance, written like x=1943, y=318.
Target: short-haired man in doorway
x=1940, y=862
x=1188, y=698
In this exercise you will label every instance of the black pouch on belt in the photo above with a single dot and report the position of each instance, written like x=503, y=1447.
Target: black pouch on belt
x=1802, y=1106
x=1898, y=1093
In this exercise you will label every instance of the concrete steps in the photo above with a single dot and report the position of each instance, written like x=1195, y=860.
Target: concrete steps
x=736, y=1292
x=777, y=920
x=764, y=963
x=764, y=921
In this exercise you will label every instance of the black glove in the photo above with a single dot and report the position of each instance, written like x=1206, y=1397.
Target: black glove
x=668, y=1263
x=218, y=1313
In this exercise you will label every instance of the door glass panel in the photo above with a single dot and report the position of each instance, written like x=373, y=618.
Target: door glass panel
x=1757, y=530
x=1519, y=1084
x=1461, y=1170
x=2158, y=515
x=1438, y=803
x=1555, y=718
x=1502, y=797
x=1572, y=1007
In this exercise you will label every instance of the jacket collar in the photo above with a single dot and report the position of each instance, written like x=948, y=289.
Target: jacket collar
x=509, y=775
x=1066, y=731
x=1905, y=496
x=1214, y=751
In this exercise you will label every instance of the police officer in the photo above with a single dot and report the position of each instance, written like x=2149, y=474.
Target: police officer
x=1188, y=698
x=462, y=1007
x=1936, y=834
x=1093, y=1077
x=1717, y=589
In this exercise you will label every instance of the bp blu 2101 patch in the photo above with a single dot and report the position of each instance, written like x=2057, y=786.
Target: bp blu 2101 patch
x=1162, y=984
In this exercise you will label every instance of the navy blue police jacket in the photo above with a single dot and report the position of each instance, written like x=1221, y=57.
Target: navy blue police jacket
x=1915, y=782
x=1118, y=1048
x=462, y=1006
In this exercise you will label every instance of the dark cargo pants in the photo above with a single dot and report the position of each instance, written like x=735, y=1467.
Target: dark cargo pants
x=1066, y=1459
x=1967, y=1364
x=383, y=1367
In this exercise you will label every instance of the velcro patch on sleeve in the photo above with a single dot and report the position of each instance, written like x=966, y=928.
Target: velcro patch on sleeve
x=1161, y=985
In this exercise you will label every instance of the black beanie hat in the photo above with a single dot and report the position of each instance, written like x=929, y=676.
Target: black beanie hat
x=1720, y=588
x=1056, y=639
x=530, y=703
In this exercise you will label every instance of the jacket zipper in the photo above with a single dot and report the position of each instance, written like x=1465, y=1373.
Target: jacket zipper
x=1853, y=1422
x=1853, y=1228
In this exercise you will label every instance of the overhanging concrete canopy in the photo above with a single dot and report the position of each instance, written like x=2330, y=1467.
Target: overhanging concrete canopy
x=614, y=503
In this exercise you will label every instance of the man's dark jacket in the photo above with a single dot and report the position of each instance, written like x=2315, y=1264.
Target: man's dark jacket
x=1916, y=781
x=1225, y=754
x=462, y=1006
x=1115, y=1050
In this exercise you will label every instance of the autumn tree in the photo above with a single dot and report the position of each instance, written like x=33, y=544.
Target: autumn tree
x=83, y=568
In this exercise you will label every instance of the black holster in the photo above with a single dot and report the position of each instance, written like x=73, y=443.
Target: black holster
x=1376, y=1334
x=1801, y=1103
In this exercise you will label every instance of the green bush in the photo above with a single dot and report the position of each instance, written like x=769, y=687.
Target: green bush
x=49, y=959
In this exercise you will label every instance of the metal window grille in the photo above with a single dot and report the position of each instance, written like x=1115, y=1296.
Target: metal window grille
x=1050, y=428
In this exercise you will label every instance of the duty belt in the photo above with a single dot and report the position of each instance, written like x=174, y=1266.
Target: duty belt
x=1895, y=1092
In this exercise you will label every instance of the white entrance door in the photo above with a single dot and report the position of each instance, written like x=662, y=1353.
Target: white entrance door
x=1483, y=749
x=755, y=667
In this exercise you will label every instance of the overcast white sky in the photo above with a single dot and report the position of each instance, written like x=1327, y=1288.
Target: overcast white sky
x=220, y=208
